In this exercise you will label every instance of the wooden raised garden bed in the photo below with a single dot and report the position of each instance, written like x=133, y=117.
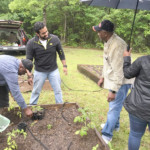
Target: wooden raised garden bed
x=92, y=71
x=55, y=131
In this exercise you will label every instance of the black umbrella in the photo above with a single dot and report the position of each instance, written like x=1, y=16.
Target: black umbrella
x=117, y=4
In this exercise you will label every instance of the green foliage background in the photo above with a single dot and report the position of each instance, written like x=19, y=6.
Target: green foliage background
x=73, y=22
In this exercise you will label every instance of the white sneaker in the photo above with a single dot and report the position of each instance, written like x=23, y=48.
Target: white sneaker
x=106, y=139
x=116, y=129
x=102, y=125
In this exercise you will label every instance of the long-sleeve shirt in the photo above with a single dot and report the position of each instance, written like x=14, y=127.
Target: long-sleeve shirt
x=113, y=63
x=9, y=66
x=138, y=101
x=45, y=58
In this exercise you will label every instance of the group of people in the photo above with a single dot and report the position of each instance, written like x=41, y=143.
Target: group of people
x=118, y=75
x=117, y=70
x=42, y=48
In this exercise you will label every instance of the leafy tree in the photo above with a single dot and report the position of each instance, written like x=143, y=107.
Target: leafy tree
x=73, y=22
x=4, y=10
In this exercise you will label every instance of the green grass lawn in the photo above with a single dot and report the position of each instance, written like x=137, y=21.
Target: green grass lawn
x=83, y=95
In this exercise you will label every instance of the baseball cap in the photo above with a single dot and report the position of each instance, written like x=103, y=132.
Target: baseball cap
x=27, y=64
x=104, y=25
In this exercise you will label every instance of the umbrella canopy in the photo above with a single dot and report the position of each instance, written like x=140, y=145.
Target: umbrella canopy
x=124, y=4
x=129, y=4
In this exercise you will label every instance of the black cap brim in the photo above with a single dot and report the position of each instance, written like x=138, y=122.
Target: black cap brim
x=96, y=28
x=27, y=64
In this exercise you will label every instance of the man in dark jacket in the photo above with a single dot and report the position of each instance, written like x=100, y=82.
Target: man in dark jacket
x=42, y=48
x=10, y=68
x=138, y=101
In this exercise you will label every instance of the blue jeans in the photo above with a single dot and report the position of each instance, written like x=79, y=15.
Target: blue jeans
x=39, y=80
x=113, y=114
x=137, y=129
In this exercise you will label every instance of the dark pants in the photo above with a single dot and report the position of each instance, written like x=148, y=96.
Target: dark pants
x=137, y=130
x=4, y=97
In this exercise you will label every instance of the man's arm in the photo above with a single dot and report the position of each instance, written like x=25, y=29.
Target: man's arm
x=61, y=56
x=115, y=60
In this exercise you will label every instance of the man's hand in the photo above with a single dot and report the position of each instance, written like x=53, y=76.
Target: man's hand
x=30, y=81
x=65, y=70
x=64, y=67
x=100, y=82
x=28, y=112
x=28, y=73
x=30, y=77
x=111, y=96
x=127, y=53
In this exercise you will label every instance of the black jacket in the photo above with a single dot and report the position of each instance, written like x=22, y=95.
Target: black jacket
x=45, y=59
x=138, y=101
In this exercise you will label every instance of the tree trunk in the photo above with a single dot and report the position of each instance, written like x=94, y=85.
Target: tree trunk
x=65, y=27
x=44, y=14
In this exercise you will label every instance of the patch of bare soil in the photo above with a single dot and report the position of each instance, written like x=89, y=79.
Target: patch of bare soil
x=92, y=71
x=25, y=87
x=61, y=136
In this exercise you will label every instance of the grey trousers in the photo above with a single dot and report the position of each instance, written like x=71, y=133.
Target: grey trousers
x=4, y=96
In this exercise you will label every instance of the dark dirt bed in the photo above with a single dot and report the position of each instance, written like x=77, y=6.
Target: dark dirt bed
x=61, y=136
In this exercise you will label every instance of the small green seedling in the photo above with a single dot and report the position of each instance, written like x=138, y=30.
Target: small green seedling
x=83, y=119
x=95, y=147
x=49, y=126
x=82, y=131
x=10, y=108
x=22, y=132
x=33, y=123
x=19, y=114
x=11, y=136
x=36, y=108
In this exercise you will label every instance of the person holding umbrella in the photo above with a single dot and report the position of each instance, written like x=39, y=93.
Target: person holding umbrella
x=137, y=102
x=112, y=76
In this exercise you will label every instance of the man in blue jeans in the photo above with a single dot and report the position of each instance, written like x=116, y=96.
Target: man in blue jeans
x=112, y=76
x=43, y=48
x=137, y=103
